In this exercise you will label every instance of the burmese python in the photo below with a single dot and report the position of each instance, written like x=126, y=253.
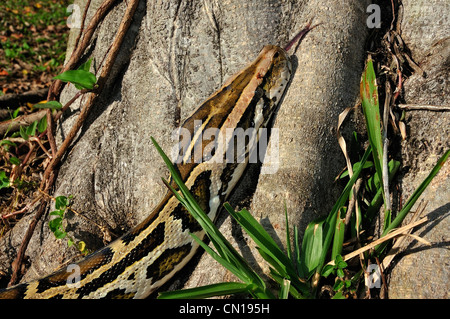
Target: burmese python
x=139, y=262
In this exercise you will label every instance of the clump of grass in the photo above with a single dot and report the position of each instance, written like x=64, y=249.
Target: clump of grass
x=318, y=257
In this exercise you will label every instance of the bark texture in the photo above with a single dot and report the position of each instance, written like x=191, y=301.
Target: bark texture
x=176, y=54
x=422, y=271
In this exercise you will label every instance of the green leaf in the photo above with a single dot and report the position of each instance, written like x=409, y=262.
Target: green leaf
x=280, y=280
x=371, y=110
x=338, y=295
x=55, y=224
x=53, y=105
x=328, y=270
x=220, y=289
x=355, y=166
x=42, y=125
x=4, y=180
x=339, y=262
x=258, y=234
x=374, y=206
x=7, y=143
x=16, y=113
x=60, y=234
x=312, y=246
x=14, y=160
x=80, y=78
x=329, y=224
x=268, y=248
x=59, y=213
x=86, y=65
x=338, y=285
x=412, y=200
x=338, y=240
x=61, y=202
x=226, y=254
x=23, y=133
x=31, y=129
x=284, y=291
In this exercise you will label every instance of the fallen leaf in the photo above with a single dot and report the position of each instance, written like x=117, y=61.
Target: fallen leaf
x=17, y=35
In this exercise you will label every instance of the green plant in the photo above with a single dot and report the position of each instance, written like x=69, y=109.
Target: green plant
x=319, y=256
x=81, y=77
x=62, y=203
x=337, y=269
x=4, y=180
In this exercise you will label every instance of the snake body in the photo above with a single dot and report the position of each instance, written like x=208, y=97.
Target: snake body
x=138, y=263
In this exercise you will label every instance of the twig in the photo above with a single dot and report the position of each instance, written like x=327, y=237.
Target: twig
x=50, y=173
x=83, y=20
x=15, y=100
x=23, y=210
x=24, y=120
x=16, y=265
x=353, y=203
x=37, y=140
x=383, y=278
x=56, y=87
x=14, y=124
x=126, y=21
x=385, y=170
x=398, y=232
x=434, y=108
x=399, y=242
x=50, y=135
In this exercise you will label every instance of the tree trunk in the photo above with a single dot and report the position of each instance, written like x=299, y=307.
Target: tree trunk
x=175, y=55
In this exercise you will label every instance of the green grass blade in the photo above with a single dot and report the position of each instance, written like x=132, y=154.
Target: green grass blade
x=220, y=289
x=223, y=261
x=260, y=236
x=284, y=291
x=377, y=200
x=329, y=224
x=288, y=235
x=338, y=239
x=371, y=110
x=414, y=197
x=267, y=247
x=292, y=290
x=312, y=246
x=227, y=255
x=297, y=250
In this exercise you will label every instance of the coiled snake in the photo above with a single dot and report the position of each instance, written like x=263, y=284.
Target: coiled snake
x=139, y=262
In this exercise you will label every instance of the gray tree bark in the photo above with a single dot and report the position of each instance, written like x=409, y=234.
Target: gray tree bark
x=175, y=55
x=421, y=271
